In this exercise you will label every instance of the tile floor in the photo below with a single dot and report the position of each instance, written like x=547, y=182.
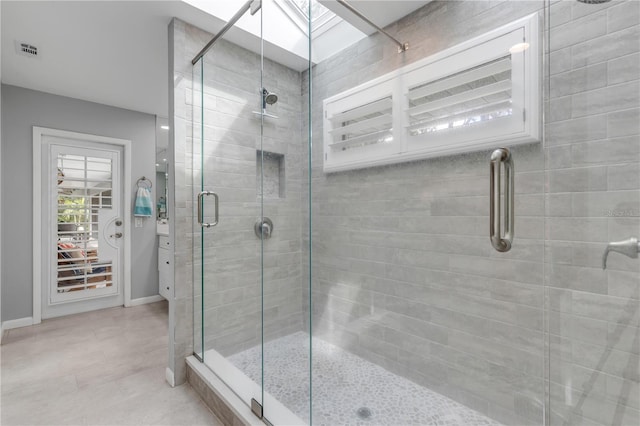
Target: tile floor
x=347, y=390
x=99, y=368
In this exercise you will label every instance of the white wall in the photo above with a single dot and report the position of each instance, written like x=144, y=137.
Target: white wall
x=23, y=109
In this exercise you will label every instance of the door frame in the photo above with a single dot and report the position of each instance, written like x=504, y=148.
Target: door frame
x=38, y=133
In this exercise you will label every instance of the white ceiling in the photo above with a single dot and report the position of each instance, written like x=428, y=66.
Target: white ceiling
x=111, y=52
x=115, y=52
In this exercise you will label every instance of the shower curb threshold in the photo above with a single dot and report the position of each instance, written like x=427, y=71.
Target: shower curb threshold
x=239, y=412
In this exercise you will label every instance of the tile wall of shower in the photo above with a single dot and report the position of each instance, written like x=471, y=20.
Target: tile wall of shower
x=403, y=271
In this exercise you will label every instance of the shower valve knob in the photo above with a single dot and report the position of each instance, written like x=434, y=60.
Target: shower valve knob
x=263, y=228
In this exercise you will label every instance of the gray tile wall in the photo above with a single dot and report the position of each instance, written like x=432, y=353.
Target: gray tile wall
x=403, y=271
x=593, y=183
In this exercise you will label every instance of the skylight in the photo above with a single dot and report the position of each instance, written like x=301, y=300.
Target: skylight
x=298, y=10
x=317, y=10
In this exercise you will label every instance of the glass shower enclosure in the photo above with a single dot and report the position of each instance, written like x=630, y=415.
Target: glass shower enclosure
x=247, y=226
x=419, y=236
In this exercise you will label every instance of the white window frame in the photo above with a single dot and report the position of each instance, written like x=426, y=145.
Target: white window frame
x=524, y=126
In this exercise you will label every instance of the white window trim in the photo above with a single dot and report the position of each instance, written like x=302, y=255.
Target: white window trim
x=38, y=133
x=379, y=156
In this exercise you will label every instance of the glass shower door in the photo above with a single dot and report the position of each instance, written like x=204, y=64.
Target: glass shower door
x=280, y=164
x=247, y=150
x=593, y=204
x=226, y=250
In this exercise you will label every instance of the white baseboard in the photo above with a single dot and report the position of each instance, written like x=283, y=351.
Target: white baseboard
x=145, y=300
x=169, y=377
x=17, y=323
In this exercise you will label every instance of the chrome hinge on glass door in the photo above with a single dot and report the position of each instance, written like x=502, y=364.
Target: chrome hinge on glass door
x=201, y=195
x=256, y=408
x=501, y=242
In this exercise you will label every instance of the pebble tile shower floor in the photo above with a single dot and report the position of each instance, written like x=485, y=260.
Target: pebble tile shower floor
x=345, y=386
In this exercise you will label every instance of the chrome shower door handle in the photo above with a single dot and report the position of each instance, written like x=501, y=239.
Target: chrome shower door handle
x=201, y=196
x=502, y=243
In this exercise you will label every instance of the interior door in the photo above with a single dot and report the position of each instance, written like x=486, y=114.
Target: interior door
x=84, y=226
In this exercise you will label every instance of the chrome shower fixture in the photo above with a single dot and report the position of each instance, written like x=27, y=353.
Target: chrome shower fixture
x=268, y=98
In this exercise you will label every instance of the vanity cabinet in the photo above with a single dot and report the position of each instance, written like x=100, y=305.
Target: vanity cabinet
x=165, y=266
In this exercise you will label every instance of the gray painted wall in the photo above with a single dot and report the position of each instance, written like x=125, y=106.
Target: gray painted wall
x=21, y=110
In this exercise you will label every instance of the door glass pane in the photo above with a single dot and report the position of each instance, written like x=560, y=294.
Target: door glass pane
x=84, y=186
x=593, y=202
x=227, y=255
x=280, y=165
x=417, y=319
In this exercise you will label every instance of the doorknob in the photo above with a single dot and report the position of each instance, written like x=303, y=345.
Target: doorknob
x=116, y=235
x=629, y=247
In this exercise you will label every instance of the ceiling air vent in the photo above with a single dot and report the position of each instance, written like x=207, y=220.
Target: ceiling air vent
x=26, y=49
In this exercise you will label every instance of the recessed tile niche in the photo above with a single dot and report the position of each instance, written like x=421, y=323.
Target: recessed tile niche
x=270, y=177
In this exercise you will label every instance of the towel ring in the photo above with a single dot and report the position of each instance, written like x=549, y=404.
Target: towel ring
x=143, y=182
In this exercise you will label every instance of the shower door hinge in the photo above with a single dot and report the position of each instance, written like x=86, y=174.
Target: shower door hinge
x=267, y=422
x=524, y=114
x=256, y=408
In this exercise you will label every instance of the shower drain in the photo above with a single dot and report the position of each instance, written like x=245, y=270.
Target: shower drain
x=364, y=412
